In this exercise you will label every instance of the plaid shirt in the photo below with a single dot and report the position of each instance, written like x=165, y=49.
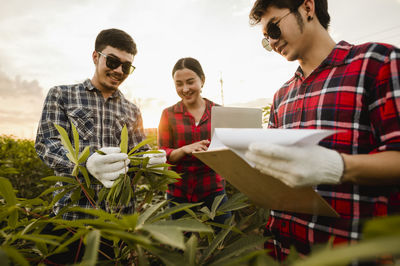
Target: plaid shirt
x=99, y=123
x=177, y=128
x=356, y=89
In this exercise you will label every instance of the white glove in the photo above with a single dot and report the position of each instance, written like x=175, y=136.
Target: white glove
x=297, y=165
x=106, y=168
x=156, y=158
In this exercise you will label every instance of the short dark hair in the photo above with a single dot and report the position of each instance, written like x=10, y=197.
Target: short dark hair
x=260, y=7
x=189, y=63
x=115, y=38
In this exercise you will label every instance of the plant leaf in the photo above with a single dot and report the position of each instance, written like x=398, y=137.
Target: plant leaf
x=64, y=179
x=84, y=155
x=169, y=235
x=141, y=144
x=124, y=140
x=76, y=140
x=7, y=191
x=92, y=242
x=190, y=251
x=65, y=140
x=144, y=216
x=15, y=256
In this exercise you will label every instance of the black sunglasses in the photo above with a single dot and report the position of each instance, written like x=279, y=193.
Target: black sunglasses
x=113, y=62
x=273, y=32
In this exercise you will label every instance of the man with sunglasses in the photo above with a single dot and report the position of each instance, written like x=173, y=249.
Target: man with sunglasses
x=99, y=111
x=354, y=89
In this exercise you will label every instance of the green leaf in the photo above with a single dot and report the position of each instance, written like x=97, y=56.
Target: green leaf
x=216, y=202
x=3, y=257
x=382, y=226
x=130, y=221
x=92, y=242
x=124, y=140
x=238, y=247
x=141, y=144
x=75, y=171
x=150, y=211
x=72, y=158
x=38, y=238
x=85, y=175
x=65, y=141
x=76, y=140
x=216, y=242
x=168, y=235
x=169, y=258
x=128, y=237
x=190, y=251
x=64, y=179
x=76, y=195
x=7, y=191
x=191, y=225
x=143, y=261
x=84, y=155
x=363, y=250
x=15, y=256
x=169, y=211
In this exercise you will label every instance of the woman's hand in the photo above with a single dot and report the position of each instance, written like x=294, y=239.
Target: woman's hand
x=201, y=145
x=178, y=154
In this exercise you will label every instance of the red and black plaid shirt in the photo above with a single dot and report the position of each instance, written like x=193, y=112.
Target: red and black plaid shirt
x=356, y=89
x=178, y=128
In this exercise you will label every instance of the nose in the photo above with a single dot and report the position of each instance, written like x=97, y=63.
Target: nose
x=119, y=69
x=185, y=88
x=273, y=42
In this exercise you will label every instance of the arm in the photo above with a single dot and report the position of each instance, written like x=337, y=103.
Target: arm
x=166, y=141
x=181, y=152
x=381, y=168
x=48, y=144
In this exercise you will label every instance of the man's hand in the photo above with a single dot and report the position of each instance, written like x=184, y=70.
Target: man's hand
x=297, y=165
x=106, y=168
x=156, y=158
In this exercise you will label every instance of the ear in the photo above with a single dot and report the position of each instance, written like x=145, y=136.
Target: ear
x=309, y=8
x=203, y=79
x=95, y=57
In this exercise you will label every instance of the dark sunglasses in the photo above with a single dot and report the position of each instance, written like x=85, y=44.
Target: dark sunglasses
x=113, y=62
x=273, y=32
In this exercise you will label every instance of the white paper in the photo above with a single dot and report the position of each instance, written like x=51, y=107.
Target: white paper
x=239, y=139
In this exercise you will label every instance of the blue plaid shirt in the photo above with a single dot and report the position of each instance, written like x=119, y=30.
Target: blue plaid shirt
x=99, y=123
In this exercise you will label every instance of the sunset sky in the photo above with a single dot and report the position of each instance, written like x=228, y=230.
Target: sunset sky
x=46, y=43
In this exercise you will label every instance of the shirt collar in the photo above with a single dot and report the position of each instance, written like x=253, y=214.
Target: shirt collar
x=336, y=57
x=180, y=107
x=89, y=86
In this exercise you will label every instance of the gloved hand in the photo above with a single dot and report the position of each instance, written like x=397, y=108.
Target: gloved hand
x=156, y=158
x=106, y=168
x=297, y=165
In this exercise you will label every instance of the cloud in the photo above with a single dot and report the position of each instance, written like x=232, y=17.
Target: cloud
x=21, y=104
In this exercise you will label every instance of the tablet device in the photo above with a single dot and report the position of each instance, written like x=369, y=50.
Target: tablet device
x=235, y=117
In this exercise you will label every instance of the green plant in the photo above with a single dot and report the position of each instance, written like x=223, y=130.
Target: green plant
x=21, y=165
x=148, y=234
x=149, y=237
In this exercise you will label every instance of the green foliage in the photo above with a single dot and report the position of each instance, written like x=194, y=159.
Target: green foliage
x=266, y=113
x=148, y=236
x=21, y=165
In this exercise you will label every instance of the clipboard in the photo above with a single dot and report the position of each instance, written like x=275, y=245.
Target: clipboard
x=264, y=190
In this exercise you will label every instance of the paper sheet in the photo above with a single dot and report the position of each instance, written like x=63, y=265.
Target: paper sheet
x=239, y=139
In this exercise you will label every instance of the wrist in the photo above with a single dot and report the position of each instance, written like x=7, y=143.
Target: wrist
x=348, y=166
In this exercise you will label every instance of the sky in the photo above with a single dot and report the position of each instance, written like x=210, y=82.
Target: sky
x=44, y=43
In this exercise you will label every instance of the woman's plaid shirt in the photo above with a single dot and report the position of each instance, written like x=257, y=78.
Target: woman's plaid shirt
x=177, y=128
x=99, y=123
x=355, y=89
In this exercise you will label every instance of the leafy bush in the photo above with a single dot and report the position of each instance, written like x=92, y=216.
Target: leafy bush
x=21, y=165
x=149, y=237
